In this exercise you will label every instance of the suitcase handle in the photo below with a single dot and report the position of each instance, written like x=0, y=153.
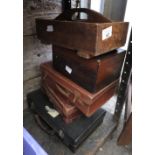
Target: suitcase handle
x=92, y=16
x=66, y=93
x=73, y=97
x=69, y=95
x=43, y=126
x=58, y=87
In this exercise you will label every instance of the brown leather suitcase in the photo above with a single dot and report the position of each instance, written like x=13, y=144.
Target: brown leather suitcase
x=91, y=36
x=92, y=74
x=60, y=102
x=85, y=101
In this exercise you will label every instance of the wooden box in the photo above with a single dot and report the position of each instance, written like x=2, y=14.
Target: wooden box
x=92, y=36
x=85, y=101
x=92, y=74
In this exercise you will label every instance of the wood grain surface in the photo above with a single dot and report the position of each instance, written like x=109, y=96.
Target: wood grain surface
x=35, y=53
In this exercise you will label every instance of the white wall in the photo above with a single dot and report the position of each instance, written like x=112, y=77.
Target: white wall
x=97, y=5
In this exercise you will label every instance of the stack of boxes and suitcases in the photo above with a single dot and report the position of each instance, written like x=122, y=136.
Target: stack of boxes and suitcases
x=86, y=65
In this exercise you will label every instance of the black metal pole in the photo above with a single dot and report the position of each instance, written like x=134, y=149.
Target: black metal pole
x=66, y=5
x=126, y=73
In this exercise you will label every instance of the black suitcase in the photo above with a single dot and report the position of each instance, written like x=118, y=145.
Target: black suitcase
x=72, y=134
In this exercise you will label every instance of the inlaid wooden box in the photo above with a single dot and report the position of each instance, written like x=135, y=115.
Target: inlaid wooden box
x=92, y=74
